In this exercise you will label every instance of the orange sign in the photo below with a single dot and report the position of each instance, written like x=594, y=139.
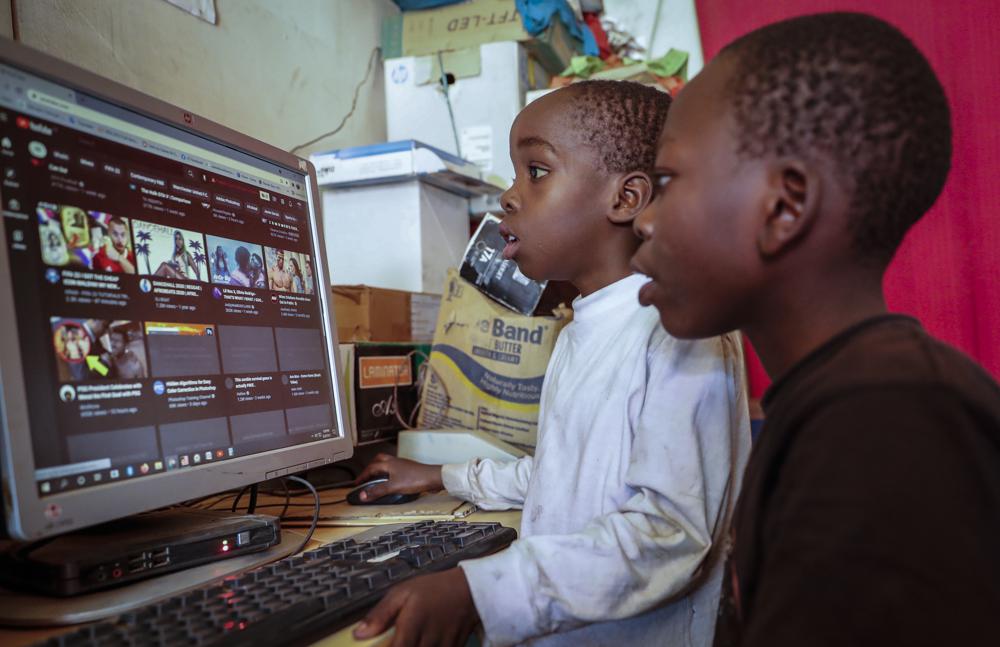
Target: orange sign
x=377, y=372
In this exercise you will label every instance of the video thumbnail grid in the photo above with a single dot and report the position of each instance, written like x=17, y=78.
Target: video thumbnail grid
x=74, y=238
x=112, y=349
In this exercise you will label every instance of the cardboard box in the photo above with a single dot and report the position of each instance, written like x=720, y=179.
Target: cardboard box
x=381, y=382
x=469, y=24
x=365, y=313
x=486, y=93
x=487, y=365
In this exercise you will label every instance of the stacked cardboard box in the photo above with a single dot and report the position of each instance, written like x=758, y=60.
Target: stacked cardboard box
x=365, y=313
x=384, y=337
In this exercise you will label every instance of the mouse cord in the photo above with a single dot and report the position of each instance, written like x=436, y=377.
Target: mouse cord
x=315, y=519
x=252, y=506
x=288, y=498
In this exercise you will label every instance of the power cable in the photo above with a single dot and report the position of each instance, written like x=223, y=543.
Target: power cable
x=354, y=104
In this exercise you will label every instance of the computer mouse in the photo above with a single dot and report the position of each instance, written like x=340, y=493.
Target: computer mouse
x=354, y=496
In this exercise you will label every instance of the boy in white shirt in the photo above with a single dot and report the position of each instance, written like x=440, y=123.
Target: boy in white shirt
x=642, y=437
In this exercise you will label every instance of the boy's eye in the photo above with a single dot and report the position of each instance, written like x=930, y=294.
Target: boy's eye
x=536, y=172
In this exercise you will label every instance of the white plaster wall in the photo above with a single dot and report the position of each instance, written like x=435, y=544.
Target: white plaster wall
x=282, y=71
x=6, y=25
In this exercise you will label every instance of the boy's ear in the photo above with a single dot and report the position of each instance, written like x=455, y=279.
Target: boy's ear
x=634, y=193
x=792, y=205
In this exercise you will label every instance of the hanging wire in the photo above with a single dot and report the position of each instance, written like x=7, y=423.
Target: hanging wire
x=315, y=518
x=447, y=99
x=354, y=105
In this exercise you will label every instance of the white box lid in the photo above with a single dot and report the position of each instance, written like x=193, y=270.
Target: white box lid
x=399, y=161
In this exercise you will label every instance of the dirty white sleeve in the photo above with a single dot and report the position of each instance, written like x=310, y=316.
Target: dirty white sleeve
x=490, y=484
x=626, y=562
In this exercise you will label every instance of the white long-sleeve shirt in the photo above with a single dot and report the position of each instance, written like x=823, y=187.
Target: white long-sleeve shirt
x=642, y=440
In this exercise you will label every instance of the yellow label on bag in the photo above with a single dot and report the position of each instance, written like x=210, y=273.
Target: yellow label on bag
x=487, y=366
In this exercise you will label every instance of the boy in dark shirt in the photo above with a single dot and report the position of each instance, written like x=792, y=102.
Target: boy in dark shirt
x=788, y=173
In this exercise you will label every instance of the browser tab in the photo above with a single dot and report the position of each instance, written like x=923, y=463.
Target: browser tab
x=56, y=105
x=226, y=200
x=146, y=179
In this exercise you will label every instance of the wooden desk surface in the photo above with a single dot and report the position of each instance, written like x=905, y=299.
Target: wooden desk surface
x=14, y=637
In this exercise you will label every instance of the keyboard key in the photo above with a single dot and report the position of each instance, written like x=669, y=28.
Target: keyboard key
x=398, y=569
x=416, y=557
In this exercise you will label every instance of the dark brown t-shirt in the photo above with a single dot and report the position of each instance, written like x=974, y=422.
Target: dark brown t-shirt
x=870, y=509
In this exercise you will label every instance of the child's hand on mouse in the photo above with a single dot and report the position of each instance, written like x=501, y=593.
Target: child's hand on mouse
x=405, y=477
x=434, y=609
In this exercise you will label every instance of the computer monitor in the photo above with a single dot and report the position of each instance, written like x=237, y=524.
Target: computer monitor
x=166, y=326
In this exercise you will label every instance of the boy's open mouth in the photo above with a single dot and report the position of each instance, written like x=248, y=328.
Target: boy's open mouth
x=510, y=249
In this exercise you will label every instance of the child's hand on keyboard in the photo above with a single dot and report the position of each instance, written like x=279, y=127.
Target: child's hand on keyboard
x=405, y=477
x=432, y=609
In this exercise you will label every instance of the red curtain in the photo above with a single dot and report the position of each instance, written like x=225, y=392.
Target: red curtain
x=947, y=272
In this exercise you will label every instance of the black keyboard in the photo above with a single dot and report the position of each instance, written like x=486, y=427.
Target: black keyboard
x=301, y=598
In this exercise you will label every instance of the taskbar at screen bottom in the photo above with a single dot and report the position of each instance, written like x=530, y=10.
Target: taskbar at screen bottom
x=123, y=471
x=127, y=471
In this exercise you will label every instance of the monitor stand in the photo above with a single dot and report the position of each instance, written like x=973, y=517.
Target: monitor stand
x=25, y=609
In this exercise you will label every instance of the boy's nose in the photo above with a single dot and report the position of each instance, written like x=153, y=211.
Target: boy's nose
x=508, y=201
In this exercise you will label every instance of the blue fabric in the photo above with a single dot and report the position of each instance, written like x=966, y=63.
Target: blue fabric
x=537, y=16
x=409, y=5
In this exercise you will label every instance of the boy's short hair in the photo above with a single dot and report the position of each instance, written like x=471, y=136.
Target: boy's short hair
x=855, y=89
x=622, y=120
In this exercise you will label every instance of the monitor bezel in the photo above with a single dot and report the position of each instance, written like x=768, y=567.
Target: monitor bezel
x=30, y=516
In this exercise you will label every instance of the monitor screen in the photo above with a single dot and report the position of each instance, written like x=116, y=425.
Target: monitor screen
x=167, y=291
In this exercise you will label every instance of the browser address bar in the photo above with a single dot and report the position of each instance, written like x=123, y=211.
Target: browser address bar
x=55, y=103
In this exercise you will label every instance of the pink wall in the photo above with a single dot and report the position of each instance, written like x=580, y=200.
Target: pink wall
x=947, y=273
